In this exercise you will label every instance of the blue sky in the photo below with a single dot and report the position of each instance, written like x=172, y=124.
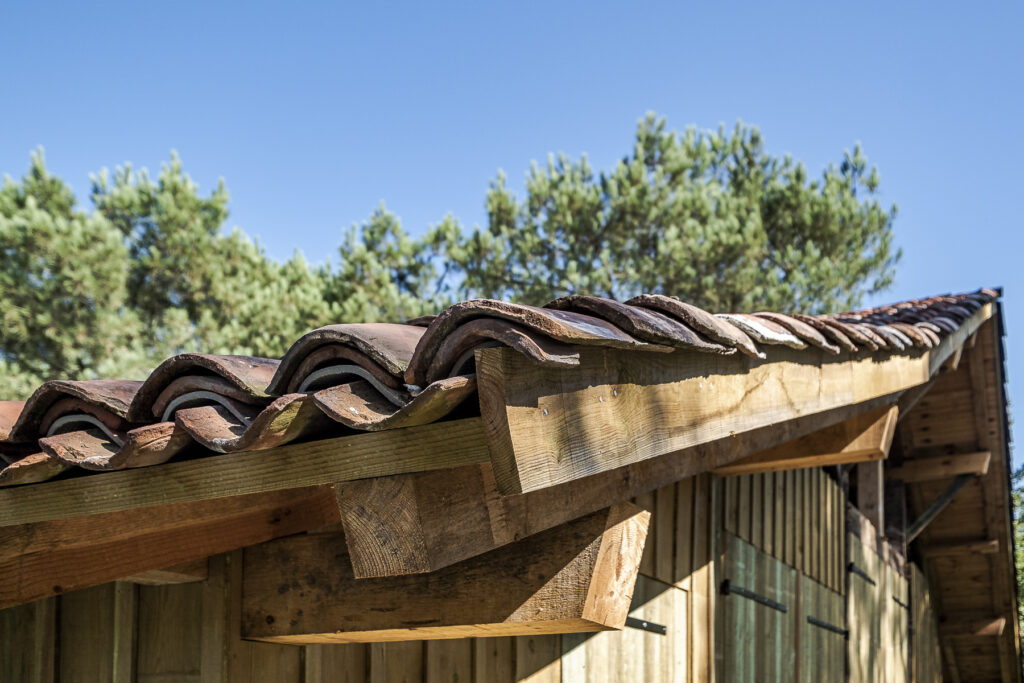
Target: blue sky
x=315, y=112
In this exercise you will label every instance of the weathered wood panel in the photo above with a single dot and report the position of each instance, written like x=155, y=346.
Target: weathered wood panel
x=822, y=652
x=796, y=517
x=634, y=654
x=926, y=654
x=758, y=642
x=28, y=636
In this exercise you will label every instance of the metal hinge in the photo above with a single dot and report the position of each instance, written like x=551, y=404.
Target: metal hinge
x=730, y=588
x=854, y=569
x=829, y=627
x=633, y=622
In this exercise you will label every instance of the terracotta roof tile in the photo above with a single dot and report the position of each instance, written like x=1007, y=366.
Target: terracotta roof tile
x=375, y=376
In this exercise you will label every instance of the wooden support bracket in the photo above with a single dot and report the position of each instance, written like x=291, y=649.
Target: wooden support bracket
x=862, y=438
x=937, y=506
x=952, y=626
x=578, y=577
x=952, y=549
x=944, y=467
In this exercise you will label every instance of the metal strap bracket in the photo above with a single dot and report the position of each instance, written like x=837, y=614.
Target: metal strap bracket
x=854, y=569
x=633, y=622
x=729, y=588
x=813, y=621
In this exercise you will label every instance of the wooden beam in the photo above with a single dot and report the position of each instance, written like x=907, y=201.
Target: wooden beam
x=48, y=558
x=373, y=454
x=871, y=493
x=944, y=467
x=972, y=626
x=862, y=438
x=952, y=549
x=416, y=523
x=575, y=578
x=937, y=506
x=187, y=572
x=545, y=426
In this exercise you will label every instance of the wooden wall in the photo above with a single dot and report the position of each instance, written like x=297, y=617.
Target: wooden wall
x=797, y=517
x=925, y=649
x=780, y=534
x=878, y=614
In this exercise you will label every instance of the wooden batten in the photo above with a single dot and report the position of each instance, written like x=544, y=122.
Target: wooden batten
x=545, y=426
x=187, y=572
x=953, y=549
x=578, y=577
x=862, y=438
x=42, y=559
x=972, y=626
x=944, y=467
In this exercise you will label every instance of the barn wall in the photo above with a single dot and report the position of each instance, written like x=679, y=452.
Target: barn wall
x=780, y=534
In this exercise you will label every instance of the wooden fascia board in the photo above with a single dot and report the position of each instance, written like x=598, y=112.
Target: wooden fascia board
x=941, y=467
x=578, y=577
x=545, y=426
x=862, y=438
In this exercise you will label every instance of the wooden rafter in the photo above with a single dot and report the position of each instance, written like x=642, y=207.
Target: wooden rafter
x=967, y=547
x=943, y=467
x=972, y=626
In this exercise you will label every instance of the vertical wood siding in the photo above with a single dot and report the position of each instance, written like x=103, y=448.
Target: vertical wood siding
x=797, y=517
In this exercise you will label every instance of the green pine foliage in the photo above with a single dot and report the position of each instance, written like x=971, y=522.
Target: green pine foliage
x=148, y=269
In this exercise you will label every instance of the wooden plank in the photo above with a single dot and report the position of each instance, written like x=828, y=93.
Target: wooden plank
x=97, y=634
x=768, y=513
x=187, y=572
x=702, y=582
x=449, y=660
x=373, y=454
x=664, y=519
x=871, y=493
x=28, y=639
x=959, y=625
x=684, y=532
x=169, y=633
x=943, y=467
x=396, y=662
x=494, y=659
x=164, y=537
x=965, y=547
x=862, y=438
x=546, y=426
x=538, y=659
x=335, y=663
x=743, y=515
x=574, y=578
x=756, y=537
x=779, y=516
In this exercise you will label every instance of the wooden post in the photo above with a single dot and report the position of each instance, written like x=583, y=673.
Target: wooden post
x=871, y=492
